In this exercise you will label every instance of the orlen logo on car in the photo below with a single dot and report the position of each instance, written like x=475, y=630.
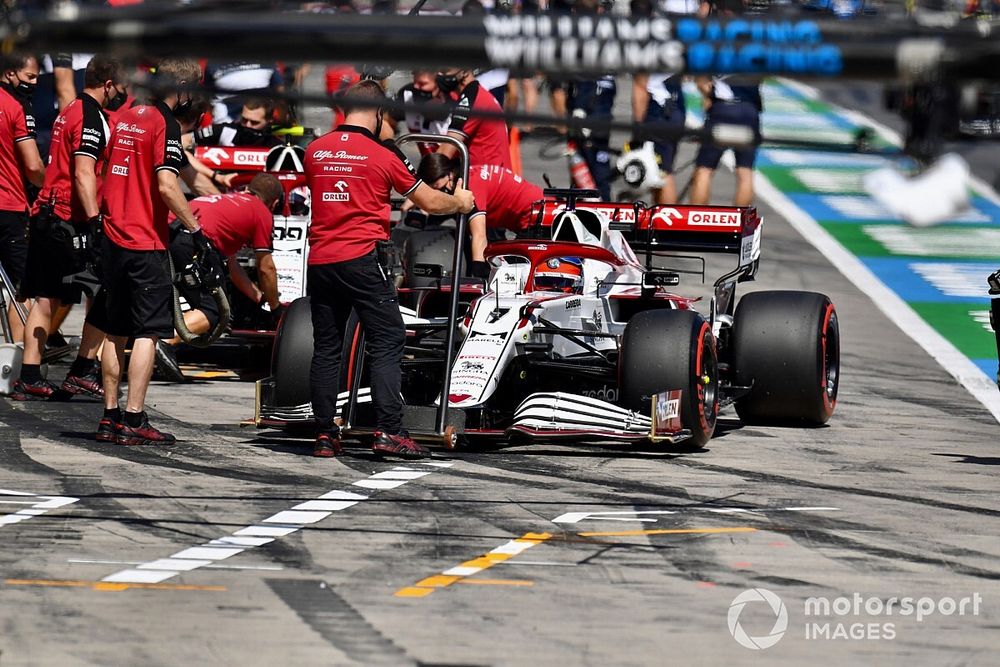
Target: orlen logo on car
x=250, y=158
x=714, y=218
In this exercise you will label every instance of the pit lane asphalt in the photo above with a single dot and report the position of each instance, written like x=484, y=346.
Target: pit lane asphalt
x=908, y=461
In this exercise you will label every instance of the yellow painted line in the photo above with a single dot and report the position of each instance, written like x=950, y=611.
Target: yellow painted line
x=413, y=592
x=498, y=582
x=460, y=572
x=437, y=581
x=671, y=531
x=109, y=586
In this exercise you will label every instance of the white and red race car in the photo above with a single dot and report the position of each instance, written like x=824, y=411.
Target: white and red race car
x=578, y=333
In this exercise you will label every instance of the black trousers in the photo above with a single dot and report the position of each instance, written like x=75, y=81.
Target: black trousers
x=334, y=290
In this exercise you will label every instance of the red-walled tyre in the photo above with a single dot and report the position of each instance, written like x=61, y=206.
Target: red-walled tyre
x=672, y=349
x=786, y=347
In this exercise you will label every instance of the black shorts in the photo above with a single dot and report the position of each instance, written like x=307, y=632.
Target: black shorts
x=182, y=253
x=139, y=292
x=671, y=115
x=48, y=263
x=739, y=113
x=14, y=244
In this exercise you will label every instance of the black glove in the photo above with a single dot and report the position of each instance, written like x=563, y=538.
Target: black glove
x=277, y=313
x=994, y=282
x=205, y=257
x=480, y=270
x=202, y=247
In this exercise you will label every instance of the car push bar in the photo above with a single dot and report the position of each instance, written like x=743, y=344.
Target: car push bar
x=443, y=431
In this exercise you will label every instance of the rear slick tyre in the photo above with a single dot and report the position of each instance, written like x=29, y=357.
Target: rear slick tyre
x=786, y=347
x=663, y=350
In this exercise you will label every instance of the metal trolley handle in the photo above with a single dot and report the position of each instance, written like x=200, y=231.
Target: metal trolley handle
x=456, y=271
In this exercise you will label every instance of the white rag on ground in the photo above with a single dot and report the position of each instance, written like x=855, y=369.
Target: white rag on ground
x=937, y=194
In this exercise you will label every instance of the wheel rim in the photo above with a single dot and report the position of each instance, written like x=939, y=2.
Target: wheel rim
x=831, y=358
x=708, y=382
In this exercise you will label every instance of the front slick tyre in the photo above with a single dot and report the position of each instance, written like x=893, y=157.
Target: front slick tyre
x=663, y=350
x=786, y=347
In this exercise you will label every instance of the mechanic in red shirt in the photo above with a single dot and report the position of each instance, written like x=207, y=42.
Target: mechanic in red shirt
x=351, y=176
x=140, y=186
x=486, y=137
x=62, y=225
x=19, y=161
x=503, y=200
x=229, y=222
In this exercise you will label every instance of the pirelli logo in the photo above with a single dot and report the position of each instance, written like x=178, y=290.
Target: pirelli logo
x=336, y=196
x=119, y=170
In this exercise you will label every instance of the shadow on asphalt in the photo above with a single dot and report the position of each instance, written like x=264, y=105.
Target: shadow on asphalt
x=969, y=458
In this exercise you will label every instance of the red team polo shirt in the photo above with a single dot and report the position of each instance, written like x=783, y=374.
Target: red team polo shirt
x=485, y=137
x=145, y=140
x=234, y=220
x=13, y=129
x=503, y=197
x=81, y=129
x=351, y=176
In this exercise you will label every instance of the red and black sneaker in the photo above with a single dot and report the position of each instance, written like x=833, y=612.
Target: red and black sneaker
x=398, y=445
x=39, y=390
x=144, y=434
x=89, y=384
x=107, y=430
x=327, y=446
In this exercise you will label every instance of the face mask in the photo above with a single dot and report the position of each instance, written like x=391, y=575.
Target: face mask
x=447, y=83
x=25, y=88
x=378, y=125
x=181, y=108
x=421, y=96
x=116, y=102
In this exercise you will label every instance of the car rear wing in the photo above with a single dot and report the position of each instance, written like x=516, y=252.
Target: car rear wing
x=698, y=229
x=230, y=158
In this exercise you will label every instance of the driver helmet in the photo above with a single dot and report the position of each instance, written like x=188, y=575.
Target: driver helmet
x=299, y=201
x=560, y=274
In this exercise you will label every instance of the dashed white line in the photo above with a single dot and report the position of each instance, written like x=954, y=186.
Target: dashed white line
x=266, y=530
x=39, y=505
x=640, y=515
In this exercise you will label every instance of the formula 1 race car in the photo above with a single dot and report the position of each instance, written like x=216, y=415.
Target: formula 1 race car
x=578, y=334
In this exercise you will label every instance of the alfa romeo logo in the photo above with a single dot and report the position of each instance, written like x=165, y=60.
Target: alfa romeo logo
x=777, y=608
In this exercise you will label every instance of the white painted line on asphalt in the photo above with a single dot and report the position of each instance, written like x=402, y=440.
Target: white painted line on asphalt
x=266, y=530
x=39, y=505
x=269, y=531
x=577, y=517
x=293, y=517
x=547, y=563
x=811, y=509
x=243, y=541
x=208, y=553
x=84, y=561
x=140, y=576
x=970, y=376
x=325, y=505
x=402, y=474
x=380, y=483
x=181, y=564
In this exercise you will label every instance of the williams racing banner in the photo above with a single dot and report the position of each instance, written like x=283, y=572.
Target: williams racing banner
x=560, y=44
